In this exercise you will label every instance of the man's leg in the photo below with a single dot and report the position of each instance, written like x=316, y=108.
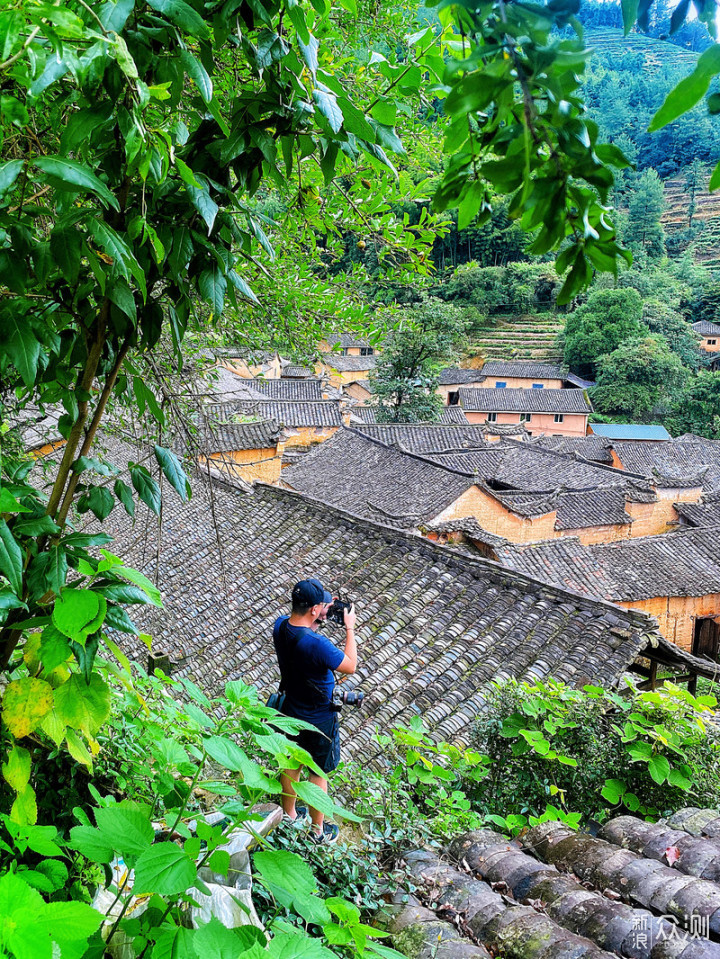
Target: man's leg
x=316, y=817
x=287, y=778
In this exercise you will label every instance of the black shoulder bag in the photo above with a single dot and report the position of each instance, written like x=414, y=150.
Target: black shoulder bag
x=276, y=700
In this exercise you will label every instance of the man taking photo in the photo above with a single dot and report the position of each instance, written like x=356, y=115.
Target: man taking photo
x=307, y=661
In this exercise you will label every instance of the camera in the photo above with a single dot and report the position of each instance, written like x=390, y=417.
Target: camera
x=346, y=697
x=336, y=611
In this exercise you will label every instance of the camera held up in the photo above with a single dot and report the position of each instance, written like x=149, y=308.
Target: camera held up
x=336, y=611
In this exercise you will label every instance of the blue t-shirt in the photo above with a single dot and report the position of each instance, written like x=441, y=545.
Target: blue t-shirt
x=306, y=661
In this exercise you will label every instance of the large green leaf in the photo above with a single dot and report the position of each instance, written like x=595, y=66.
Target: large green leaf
x=286, y=870
x=183, y=16
x=173, y=471
x=659, y=769
x=135, y=576
x=23, y=348
x=212, y=286
x=78, y=612
x=91, y=843
x=82, y=705
x=197, y=72
x=11, y=558
x=12, y=23
x=216, y=941
x=73, y=176
x=98, y=500
x=319, y=799
x=327, y=104
x=9, y=171
x=164, y=869
x=146, y=488
x=117, y=248
x=126, y=826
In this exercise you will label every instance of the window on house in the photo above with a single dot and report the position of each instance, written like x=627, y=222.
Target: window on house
x=492, y=417
x=500, y=386
x=538, y=386
x=559, y=417
x=366, y=351
x=712, y=342
x=525, y=417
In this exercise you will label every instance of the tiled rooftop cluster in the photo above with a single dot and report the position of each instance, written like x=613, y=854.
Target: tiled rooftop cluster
x=409, y=474
x=293, y=414
x=704, y=513
x=348, y=364
x=434, y=626
x=367, y=414
x=597, y=449
x=681, y=563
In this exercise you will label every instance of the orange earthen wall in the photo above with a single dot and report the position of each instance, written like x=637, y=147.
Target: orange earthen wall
x=242, y=464
x=522, y=382
x=494, y=518
x=306, y=435
x=677, y=614
x=358, y=392
x=705, y=345
x=574, y=424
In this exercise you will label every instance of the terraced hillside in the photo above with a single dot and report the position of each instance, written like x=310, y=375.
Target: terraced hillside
x=520, y=337
x=655, y=52
x=705, y=221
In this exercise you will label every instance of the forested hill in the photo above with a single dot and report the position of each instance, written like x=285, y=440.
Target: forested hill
x=627, y=81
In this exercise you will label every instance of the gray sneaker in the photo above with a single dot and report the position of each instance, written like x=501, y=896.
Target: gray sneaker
x=329, y=835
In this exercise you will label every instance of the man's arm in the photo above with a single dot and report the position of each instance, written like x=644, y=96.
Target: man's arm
x=349, y=663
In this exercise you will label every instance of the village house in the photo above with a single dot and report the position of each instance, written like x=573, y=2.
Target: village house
x=501, y=374
x=434, y=626
x=248, y=449
x=342, y=370
x=674, y=577
x=709, y=334
x=358, y=390
x=347, y=344
x=291, y=371
x=452, y=378
x=557, y=412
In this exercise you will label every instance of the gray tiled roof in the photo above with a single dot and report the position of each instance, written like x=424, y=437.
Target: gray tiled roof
x=510, y=465
x=453, y=374
x=292, y=371
x=594, y=507
x=547, y=371
x=293, y=414
x=426, y=437
x=434, y=626
x=705, y=328
x=704, y=513
x=290, y=389
x=365, y=477
x=683, y=563
x=492, y=400
x=450, y=414
x=598, y=449
x=217, y=435
x=682, y=457
x=348, y=364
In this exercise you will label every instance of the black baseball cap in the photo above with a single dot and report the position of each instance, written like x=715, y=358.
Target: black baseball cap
x=327, y=597
x=309, y=592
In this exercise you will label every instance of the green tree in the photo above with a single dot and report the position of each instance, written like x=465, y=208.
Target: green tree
x=600, y=326
x=662, y=319
x=697, y=409
x=406, y=376
x=639, y=376
x=644, y=231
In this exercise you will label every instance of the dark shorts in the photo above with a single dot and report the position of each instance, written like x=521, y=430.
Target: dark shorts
x=324, y=745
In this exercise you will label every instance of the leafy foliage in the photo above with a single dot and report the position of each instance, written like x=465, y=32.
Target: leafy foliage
x=600, y=326
x=637, y=377
x=406, y=376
